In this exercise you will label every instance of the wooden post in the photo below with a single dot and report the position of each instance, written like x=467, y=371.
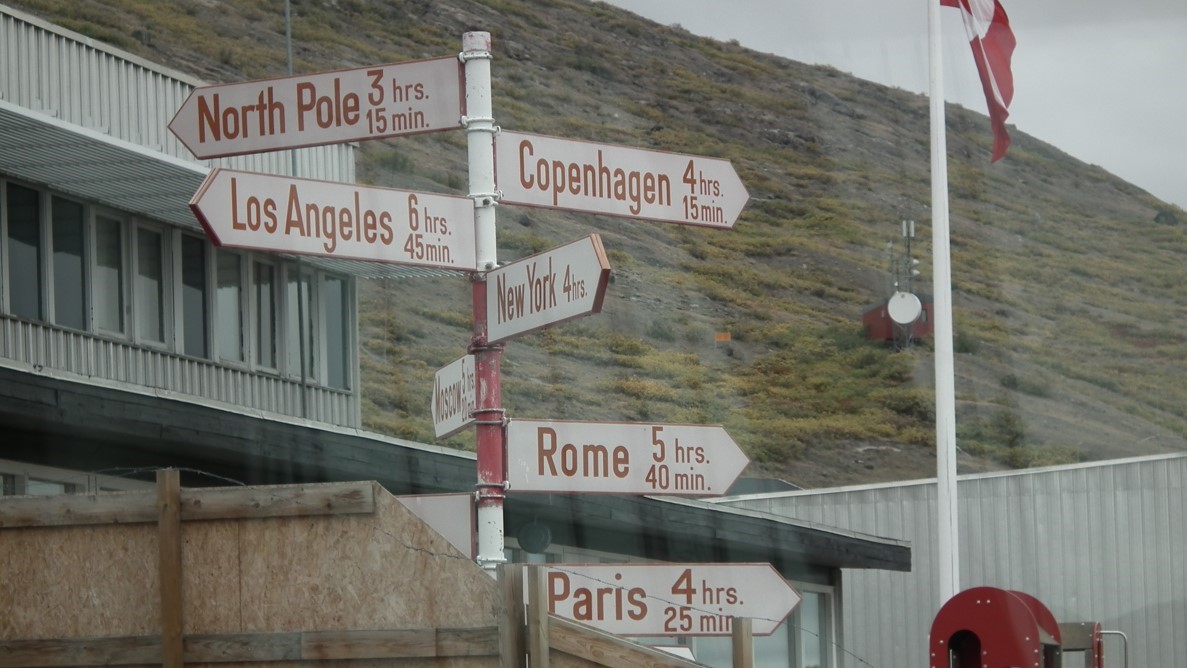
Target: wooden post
x=169, y=571
x=743, y=637
x=538, y=644
x=512, y=619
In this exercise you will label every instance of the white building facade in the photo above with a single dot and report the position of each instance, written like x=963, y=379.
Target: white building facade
x=106, y=274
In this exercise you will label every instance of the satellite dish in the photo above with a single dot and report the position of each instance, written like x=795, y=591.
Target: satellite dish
x=904, y=308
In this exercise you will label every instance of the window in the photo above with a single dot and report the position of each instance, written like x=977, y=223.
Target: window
x=81, y=267
x=69, y=264
x=803, y=640
x=265, y=315
x=107, y=290
x=336, y=315
x=229, y=307
x=149, y=301
x=35, y=487
x=298, y=325
x=24, y=252
x=193, y=296
x=812, y=638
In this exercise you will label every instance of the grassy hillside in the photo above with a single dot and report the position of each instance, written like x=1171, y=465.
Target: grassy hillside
x=1068, y=292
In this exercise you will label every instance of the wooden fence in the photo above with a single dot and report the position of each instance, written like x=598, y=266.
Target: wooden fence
x=271, y=576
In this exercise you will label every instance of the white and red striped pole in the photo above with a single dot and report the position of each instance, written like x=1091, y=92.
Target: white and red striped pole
x=489, y=418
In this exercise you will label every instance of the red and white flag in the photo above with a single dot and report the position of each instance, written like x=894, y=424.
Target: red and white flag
x=993, y=46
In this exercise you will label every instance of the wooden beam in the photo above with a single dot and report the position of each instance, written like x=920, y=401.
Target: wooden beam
x=607, y=649
x=169, y=565
x=406, y=643
x=216, y=503
x=70, y=509
x=255, y=647
x=539, y=647
x=243, y=647
x=139, y=650
x=223, y=503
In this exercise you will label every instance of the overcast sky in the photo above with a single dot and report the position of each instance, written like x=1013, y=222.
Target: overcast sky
x=1104, y=80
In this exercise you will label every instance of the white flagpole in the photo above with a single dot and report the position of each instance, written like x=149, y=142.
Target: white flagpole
x=947, y=534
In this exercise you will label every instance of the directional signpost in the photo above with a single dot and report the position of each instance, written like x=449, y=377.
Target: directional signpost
x=323, y=108
x=454, y=397
x=550, y=172
x=564, y=283
x=342, y=220
x=621, y=458
x=670, y=599
x=348, y=221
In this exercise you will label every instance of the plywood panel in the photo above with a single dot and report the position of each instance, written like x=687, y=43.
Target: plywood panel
x=210, y=561
x=77, y=582
x=386, y=571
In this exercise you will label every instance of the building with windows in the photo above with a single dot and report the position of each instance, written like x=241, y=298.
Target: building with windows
x=128, y=342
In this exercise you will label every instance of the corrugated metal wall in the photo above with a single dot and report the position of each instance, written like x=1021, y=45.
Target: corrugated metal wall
x=50, y=70
x=1102, y=542
x=92, y=357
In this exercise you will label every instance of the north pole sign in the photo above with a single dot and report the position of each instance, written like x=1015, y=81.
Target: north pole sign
x=289, y=215
x=561, y=284
x=324, y=108
x=555, y=173
x=621, y=458
x=670, y=599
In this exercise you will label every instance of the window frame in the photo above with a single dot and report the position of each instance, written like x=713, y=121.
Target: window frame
x=243, y=308
x=179, y=300
x=828, y=644
x=5, y=249
x=49, y=257
x=349, y=323
x=254, y=315
x=124, y=307
x=167, y=288
x=310, y=279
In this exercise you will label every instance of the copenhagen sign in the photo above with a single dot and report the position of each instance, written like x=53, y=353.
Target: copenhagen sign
x=621, y=458
x=550, y=172
x=555, y=286
x=670, y=599
x=324, y=108
x=289, y=215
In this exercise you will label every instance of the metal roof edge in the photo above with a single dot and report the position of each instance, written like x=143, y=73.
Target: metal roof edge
x=234, y=409
x=931, y=481
x=84, y=132
x=705, y=504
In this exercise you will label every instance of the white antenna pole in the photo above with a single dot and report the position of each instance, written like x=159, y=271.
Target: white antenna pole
x=948, y=533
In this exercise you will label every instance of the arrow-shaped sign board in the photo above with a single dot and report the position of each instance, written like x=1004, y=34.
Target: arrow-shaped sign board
x=550, y=172
x=454, y=396
x=670, y=599
x=555, y=286
x=324, y=108
x=340, y=220
x=621, y=458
